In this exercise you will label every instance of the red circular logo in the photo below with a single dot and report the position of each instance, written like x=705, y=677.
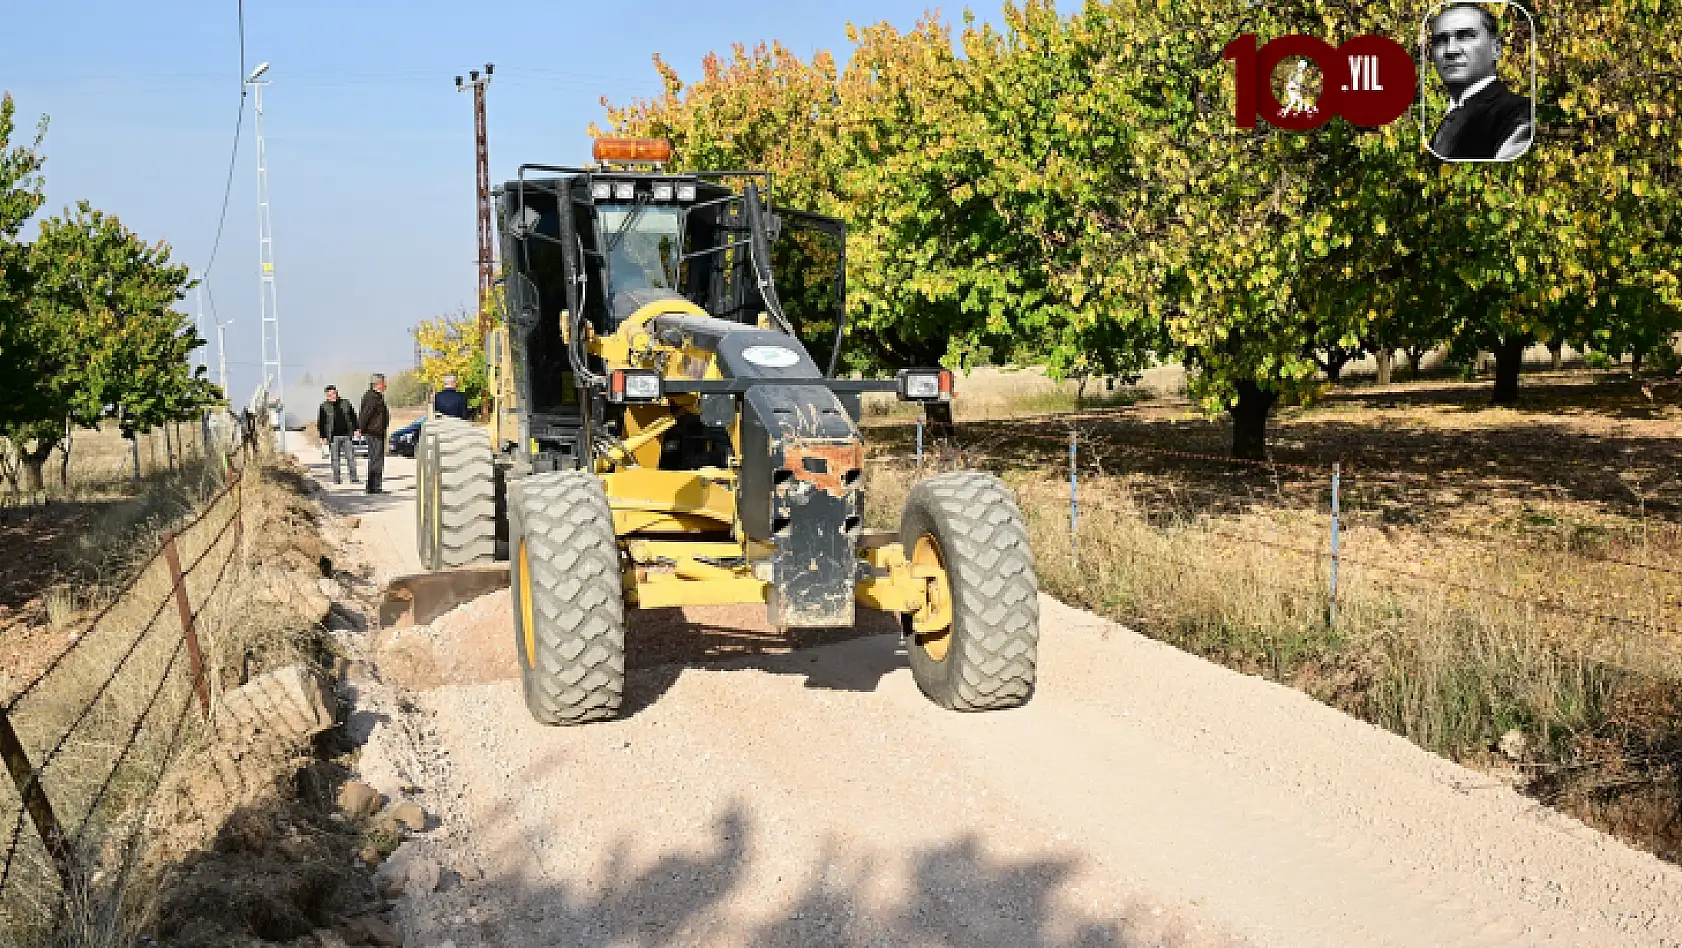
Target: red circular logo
x=1368, y=80
x=1377, y=83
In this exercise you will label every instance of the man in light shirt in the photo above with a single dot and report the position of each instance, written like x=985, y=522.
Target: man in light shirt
x=1485, y=119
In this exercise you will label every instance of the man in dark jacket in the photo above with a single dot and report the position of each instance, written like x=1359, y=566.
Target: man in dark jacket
x=1485, y=119
x=449, y=401
x=336, y=423
x=375, y=420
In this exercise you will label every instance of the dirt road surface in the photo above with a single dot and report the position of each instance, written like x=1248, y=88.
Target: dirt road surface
x=813, y=797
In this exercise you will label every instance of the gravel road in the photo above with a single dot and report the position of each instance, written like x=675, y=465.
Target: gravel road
x=814, y=797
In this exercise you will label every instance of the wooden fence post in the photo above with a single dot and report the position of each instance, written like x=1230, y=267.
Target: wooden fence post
x=173, y=557
x=239, y=511
x=1331, y=602
x=35, y=801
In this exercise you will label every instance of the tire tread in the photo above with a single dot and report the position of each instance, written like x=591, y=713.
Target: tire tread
x=578, y=605
x=992, y=659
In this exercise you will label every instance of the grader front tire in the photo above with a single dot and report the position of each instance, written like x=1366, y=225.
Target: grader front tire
x=966, y=534
x=569, y=606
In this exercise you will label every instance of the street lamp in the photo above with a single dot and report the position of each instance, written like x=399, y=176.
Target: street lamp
x=269, y=309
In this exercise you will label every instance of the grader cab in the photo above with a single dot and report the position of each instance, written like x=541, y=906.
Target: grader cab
x=663, y=436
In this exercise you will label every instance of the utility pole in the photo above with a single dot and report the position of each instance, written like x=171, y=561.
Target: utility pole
x=222, y=358
x=265, y=253
x=482, y=156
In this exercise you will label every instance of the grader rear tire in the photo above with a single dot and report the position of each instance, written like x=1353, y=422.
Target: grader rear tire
x=457, y=495
x=425, y=489
x=569, y=605
x=968, y=525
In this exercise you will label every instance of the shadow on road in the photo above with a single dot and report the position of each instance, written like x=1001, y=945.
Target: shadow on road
x=958, y=894
x=856, y=663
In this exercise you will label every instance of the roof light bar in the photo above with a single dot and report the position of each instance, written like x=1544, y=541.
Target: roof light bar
x=657, y=150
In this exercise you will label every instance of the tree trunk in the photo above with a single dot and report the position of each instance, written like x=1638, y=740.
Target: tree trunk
x=1386, y=361
x=1635, y=361
x=8, y=464
x=64, y=459
x=1416, y=355
x=35, y=464
x=940, y=424
x=134, y=450
x=169, y=449
x=1557, y=350
x=1509, y=360
x=1333, y=364
x=1249, y=421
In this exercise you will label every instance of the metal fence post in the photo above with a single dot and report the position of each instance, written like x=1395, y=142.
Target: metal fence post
x=1074, y=504
x=919, y=439
x=1337, y=478
x=194, y=656
x=35, y=801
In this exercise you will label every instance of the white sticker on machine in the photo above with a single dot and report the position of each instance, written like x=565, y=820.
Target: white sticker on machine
x=771, y=357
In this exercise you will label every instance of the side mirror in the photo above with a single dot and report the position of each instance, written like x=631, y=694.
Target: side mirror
x=525, y=222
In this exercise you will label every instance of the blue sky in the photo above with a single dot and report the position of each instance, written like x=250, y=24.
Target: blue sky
x=370, y=145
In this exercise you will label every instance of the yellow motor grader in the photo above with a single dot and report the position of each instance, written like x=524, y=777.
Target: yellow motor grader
x=662, y=436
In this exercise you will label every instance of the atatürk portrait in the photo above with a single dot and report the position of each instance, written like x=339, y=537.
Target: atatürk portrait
x=1485, y=119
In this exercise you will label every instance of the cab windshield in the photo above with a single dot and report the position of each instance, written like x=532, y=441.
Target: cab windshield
x=644, y=246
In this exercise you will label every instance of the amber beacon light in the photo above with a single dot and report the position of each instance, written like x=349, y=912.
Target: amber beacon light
x=632, y=149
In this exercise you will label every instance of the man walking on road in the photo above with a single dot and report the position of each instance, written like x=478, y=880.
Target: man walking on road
x=375, y=419
x=450, y=401
x=336, y=423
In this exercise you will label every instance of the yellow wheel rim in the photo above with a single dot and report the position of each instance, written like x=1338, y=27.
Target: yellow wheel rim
x=422, y=489
x=932, y=620
x=524, y=593
x=434, y=517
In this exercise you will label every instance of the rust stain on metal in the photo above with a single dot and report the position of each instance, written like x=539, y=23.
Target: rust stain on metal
x=824, y=464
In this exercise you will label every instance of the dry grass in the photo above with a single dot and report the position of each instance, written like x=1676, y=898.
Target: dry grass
x=108, y=720
x=69, y=550
x=101, y=464
x=1233, y=564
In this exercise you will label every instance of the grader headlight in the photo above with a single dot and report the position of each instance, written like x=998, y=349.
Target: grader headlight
x=924, y=385
x=633, y=386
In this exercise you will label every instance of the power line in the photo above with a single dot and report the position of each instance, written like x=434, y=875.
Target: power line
x=233, y=156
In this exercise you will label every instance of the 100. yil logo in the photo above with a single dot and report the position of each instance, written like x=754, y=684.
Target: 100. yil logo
x=1373, y=84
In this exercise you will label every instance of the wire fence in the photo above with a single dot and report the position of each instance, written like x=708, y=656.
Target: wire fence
x=88, y=738
x=1327, y=555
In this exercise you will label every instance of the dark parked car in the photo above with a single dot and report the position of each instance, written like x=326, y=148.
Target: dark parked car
x=358, y=445
x=402, y=441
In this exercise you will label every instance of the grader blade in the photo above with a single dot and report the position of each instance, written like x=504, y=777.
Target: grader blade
x=422, y=597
